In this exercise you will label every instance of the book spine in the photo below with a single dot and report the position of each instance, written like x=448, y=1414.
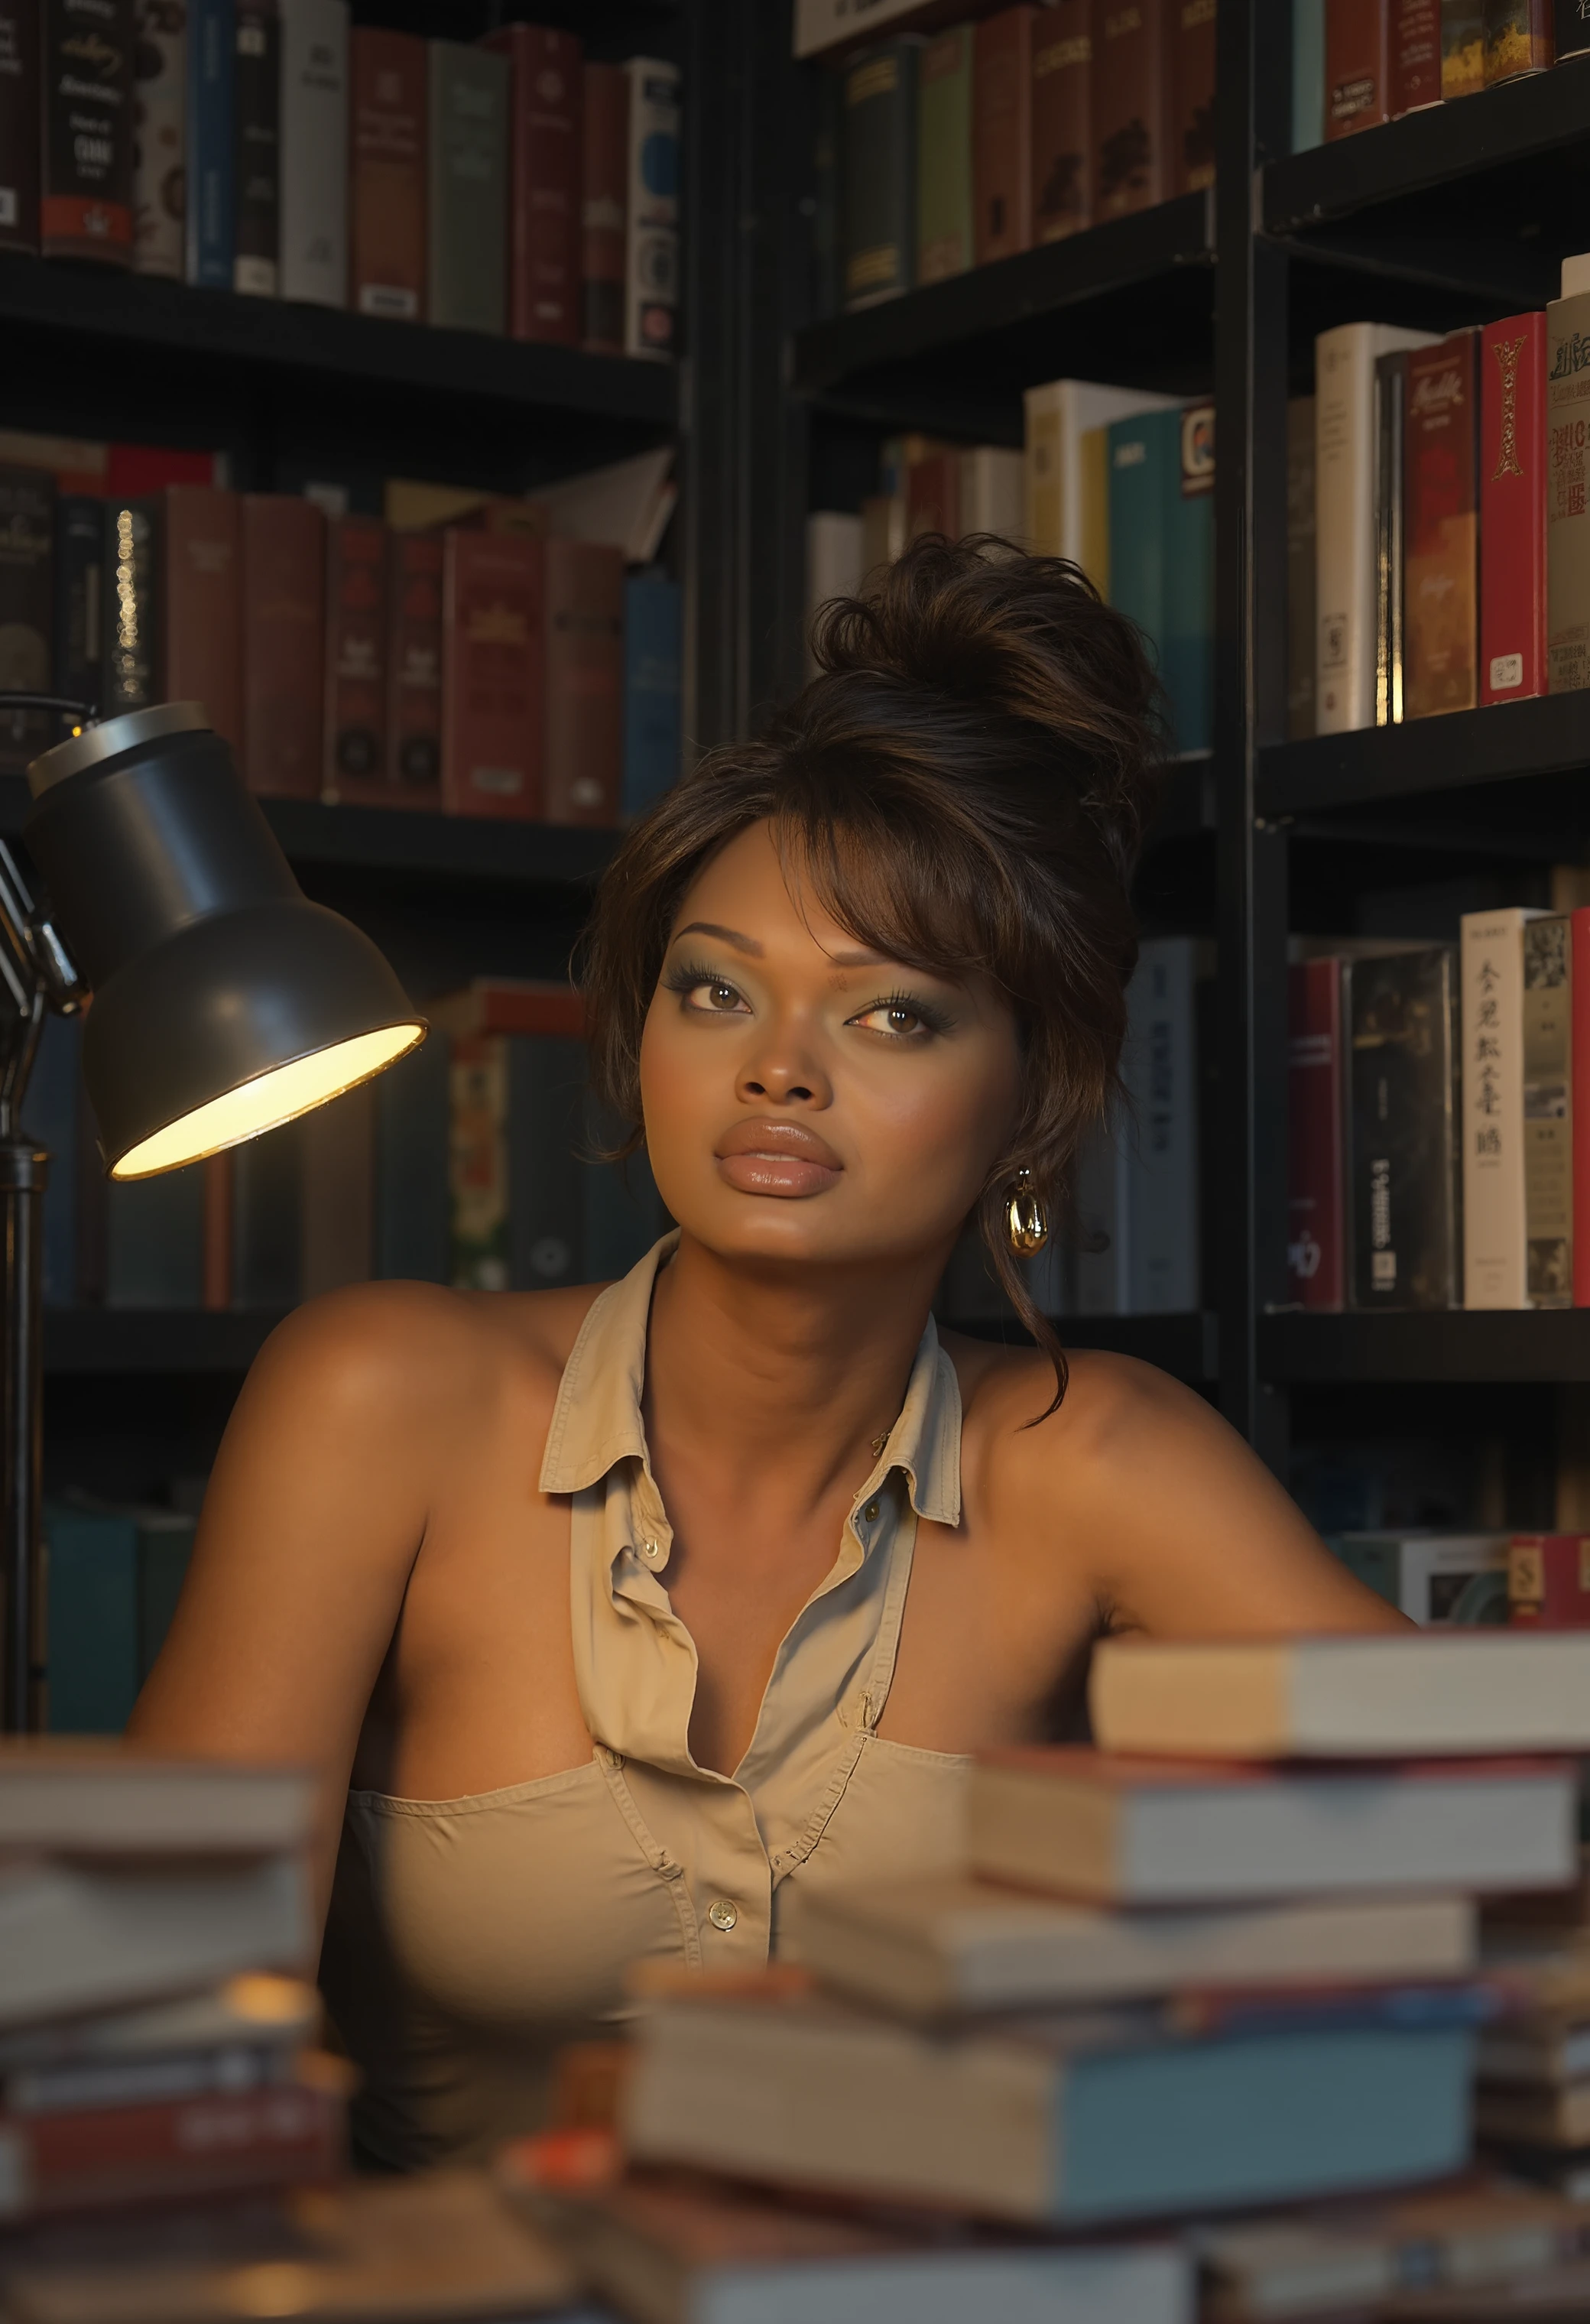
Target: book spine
x=1316, y=1271
x=414, y=670
x=79, y=597
x=1463, y=48
x=546, y=233
x=1187, y=658
x=1145, y=468
x=85, y=167
x=1062, y=121
x=354, y=770
x=944, y=207
x=933, y=497
x=1161, y=1076
x=134, y=674
x=1571, y=27
x=653, y=653
x=1512, y=509
x=1549, y=1580
x=338, y=1207
x=387, y=198
x=1299, y=567
x=284, y=632
x=1494, y=1217
x=314, y=150
x=411, y=1198
x=1518, y=39
x=652, y=209
x=1548, y=1106
x=1391, y=401
x=1415, y=55
x=159, y=138
x=546, y=1177
x=1358, y=65
x=1193, y=81
x=493, y=678
x=1441, y=553
x=604, y=160
x=1567, y=495
x=1043, y=431
x=1579, y=1087
x=1344, y=547
x=479, y=1222
x=1002, y=134
x=1132, y=57
x=212, y=52
x=877, y=155
x=1401, y=1148
x=467, y=230
x=19, y=125
x=1308, y=75
x=257, y=167
x=202, y=603
x=184, y=2147
x=585, y=681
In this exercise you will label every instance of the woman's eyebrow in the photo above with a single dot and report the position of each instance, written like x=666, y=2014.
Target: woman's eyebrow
x=748, y=944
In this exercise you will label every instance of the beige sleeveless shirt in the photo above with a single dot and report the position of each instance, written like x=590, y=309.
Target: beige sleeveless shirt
x=468, y=1938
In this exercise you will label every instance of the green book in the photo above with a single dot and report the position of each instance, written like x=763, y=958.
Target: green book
x=943, y=156
x=877, y=141
x=467, y=188
x=92, y=1594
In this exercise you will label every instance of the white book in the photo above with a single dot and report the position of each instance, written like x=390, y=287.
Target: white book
x=1344, y=536
x=993, y=492
x=1059, y=414
x=159, y=139
x=315, y=151
x=833, y=564
x=1103, y=1274
x=651, y=268
x=1159, y=1068
x=1421, y=1693
x=1495, y=1212
x=1430, y=1577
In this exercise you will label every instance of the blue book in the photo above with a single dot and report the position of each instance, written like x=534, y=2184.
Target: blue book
x=50, y=1111
x=653, y=632
x=1308, y=74
x=212, y=46
x=411, y=1198
x=1187, y=644
x=93, y=1619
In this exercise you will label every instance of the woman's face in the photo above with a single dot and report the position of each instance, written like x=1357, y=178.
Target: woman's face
x=807, y=1098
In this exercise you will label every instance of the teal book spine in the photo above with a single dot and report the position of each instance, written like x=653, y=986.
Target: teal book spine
x=1308, y=75
x=878, y=143
x=1186, y=650
x=1144, y=466
x=92, y=1595
x=654, y=616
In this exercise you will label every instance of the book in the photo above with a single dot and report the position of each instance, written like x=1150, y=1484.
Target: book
x=946, y=213
x=1390, y=537
x=1002, y=133
x=1441, y=488
x=19, y=125
x=1041, y=2121
x=883, y=531
x=1568, y=503
x=338, y=1209
x=1517, y=38
x=545, y=225
x=583, y=666
x=93, y=1801
x=256, y=96
x=387, y=159
x=626, y=503
x=201, y=610
x=1187, y=657
x=1512, y=508
x=1436, y=1692
x=479, y=1221
x=1067, y=480
x=133, y=662
x=949, y=1945
x=314, y=208
x=1308, y=75
x=1543, y=2054
x=85, y=144
x=1315, y=1253
x=1495, y=1201
x=27, y=530
x=1062, y=121
x=877, y=169
x=1300, y=567
x=1548, y=1111
x=1357, y=66
x=92, y=1674
x=1572, y=28
x=1193, y=81
x=493, y=680
x=933, y=496
x=262, y=2019
x=1159, y=1071
x=160, y=137
x=1557, y=2116
x=354, y=770
x=1399, y=1012
x=211, y=158
x=824, y=279
x=1549, y=1580
x=1132, y=118
x=414, y=670
x=1345, y=533
x=1415, y=55
x=1430, y=1577
x=990, y=494
x=412, y=1199
x=653, y=649
x=284, y=633
x=491, y=1005
x=604, y=143
x=267, y=1219
x=1463, y=48
x=652, y=209
x=466, y=176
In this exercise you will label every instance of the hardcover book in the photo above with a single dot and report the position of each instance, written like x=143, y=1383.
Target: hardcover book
x=1062, y=121
x=160, y=136
x=493, y=628
x=155, y=1241
x=653, y=647
x=1188, y=654
x=1068, y=468
x=1549, y=1580
x=585, y=681
x=1300, y=567
x=1567, y=493
x=1512, y=509
x=1402, y=1013
x=314, y=150
x=1441, y=484
x=545, y=229
x=1463, y=48
x=466, y=239
x=651, y=208
x=211, y=221
x=85, y=188
x=386, y=191
x=284, y=632
x=256, y=96
x=945, y=209
x=604, y=175
x=1495, y=1212
x=27, y=526
x=477, y=1162
x=132, y=659
x=1517, y=38
x=354, y=771
x=1549, y=1111
x=19, y=125
x=1002, y=133
x=1316, y=1263
x=1572, y=28
x=1415, y=55
x=1194, y=84
x=1131, y=117
x=1357, y=66
x=877, y=207
x=1429, y=1577
x=414, y=671
x=202, y=603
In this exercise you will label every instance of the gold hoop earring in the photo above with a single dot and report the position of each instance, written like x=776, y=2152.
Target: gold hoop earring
x=1026, y=1218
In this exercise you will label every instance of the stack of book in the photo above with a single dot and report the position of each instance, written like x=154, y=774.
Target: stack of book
x=1357, y=63
x=1229, y=1959
x=1532, y=2106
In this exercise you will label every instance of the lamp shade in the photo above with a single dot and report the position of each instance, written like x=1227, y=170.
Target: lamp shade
x=225, y=1002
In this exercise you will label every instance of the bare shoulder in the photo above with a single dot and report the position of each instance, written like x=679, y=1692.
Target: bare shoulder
x=1115, y=1413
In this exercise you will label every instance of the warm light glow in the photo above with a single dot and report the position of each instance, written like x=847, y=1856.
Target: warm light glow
x=268, y=1101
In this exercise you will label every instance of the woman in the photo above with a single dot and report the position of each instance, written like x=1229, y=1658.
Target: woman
x=631, y=1616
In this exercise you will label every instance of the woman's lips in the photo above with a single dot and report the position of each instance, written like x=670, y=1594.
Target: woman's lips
x=777, y=1157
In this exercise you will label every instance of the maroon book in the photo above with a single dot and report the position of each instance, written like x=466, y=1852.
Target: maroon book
x=585, y=681
x=201, y=617
x=606, y=181
x=387, y=192
x=1315, y=1239
x=414, y=670
x=1002, y=134
x=1062, y=121
x=1193, y=78
x=284, y=643
x=1415, y=55
x=493, y=596
x=355, y=768
x=546, y=218
x=1358, y=65
x=1133, y=56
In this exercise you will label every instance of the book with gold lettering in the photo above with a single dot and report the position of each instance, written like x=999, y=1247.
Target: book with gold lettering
x=1441, y=529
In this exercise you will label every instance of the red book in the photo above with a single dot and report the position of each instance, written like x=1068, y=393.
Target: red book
x=1440, y=553
x=933, y=496
x=1549, y=1580
x=546, y=225
x=493, y=592
x=501, y=1004
x=1002, y=134
x=604, y=168
x=1062, y=121
x=414, y=670
x=1579, y=1035
x=1315, y=1242
x=585, y=681
x=1512, y=509
x=1194, y=81
x=1415, y=55
x=1358, y=65
x=354, y=770
x=387, y=189
x=284, y=643
x=201, y=613
x=1134, y=52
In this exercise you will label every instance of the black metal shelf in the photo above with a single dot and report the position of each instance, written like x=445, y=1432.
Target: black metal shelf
x=1549, y=1344
x=1508, y=741
x=1186, y=1346
x=126, y=1339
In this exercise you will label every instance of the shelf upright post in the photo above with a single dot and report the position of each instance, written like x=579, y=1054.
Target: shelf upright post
x=1250, y=637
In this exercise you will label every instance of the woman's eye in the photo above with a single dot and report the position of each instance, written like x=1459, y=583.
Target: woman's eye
x=892, y=1017
x=720, y=1000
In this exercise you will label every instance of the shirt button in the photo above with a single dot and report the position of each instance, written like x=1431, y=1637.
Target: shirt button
x=871, y=1512
x=723, y=1915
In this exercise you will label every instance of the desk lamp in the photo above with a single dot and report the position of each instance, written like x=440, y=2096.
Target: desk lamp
x=224, y=1004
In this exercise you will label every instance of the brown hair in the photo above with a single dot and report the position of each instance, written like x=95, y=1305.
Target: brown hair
x=966, y=785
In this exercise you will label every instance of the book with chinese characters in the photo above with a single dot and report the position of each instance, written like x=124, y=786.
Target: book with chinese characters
x=1495, y=1207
